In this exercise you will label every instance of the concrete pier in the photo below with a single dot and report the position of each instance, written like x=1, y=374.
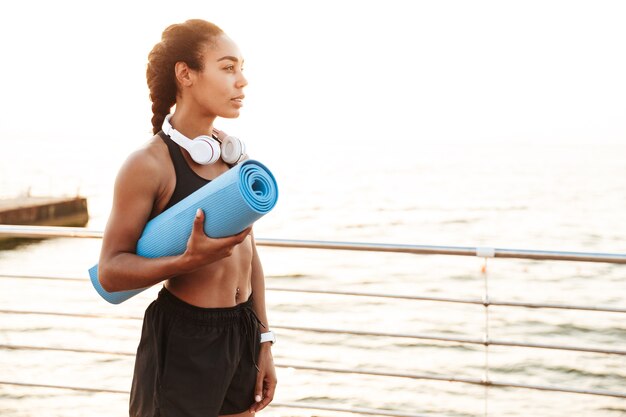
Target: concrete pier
x=44, y=211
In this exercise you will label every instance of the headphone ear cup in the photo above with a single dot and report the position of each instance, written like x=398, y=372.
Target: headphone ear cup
x=204, y=150
x=233, y=149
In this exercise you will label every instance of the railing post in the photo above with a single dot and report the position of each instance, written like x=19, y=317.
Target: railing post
x=486, y=253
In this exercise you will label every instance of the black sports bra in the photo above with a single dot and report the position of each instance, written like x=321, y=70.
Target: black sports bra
x=187, y=181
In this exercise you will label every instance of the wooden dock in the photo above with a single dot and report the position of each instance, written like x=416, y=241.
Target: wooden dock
x=44, y=211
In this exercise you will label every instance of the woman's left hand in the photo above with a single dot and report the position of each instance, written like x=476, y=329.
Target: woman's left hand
x=265, y=379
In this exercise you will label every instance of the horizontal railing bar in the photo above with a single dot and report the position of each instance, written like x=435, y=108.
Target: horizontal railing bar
x=379, y=295
x=41, y=277
x=448, y=250
x=64, y=349
x=602, y=393
x=556, y=306
x=25, y=384
x=496, y=342
x=53, y=231
x=74, y=315
x=491, y=342
x=483, y=342
x=35, y=232
x=474, y=381
x=455, y=300
x=367, y=411
x=359, y=410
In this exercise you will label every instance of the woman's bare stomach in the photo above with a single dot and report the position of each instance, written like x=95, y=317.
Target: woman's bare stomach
x=224, y=283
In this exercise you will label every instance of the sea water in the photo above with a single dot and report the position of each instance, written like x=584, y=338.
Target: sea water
x=552, y=197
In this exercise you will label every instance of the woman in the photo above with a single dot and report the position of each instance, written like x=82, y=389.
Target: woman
x=200, y=352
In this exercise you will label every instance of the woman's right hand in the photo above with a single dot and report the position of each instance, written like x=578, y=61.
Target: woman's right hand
x=203, y=250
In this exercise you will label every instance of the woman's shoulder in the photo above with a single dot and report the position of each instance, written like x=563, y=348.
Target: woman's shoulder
x=148, y=160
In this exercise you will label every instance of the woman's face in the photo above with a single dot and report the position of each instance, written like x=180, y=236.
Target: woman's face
x=218, y=88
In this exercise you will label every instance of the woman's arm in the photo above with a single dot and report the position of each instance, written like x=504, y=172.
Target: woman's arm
x=266, y=378
x=137, y=188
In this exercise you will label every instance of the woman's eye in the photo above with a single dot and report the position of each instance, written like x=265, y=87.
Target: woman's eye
x=230, y=68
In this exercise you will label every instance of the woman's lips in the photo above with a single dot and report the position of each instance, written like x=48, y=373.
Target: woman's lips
x=238, y=101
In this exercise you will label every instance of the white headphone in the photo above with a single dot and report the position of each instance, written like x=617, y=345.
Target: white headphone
x=205, y=149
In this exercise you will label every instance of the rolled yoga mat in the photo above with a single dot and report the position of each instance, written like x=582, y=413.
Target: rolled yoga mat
x=231, y=202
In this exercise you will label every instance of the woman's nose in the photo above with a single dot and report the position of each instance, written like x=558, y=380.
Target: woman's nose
x=241, y=81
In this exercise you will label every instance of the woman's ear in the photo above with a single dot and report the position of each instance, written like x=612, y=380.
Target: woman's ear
x=183, y=74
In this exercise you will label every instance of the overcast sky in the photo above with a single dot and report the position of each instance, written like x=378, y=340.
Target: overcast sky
x=411, y=71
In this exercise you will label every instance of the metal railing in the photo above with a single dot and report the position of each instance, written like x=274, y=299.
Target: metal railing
x=483, y=252
x=481, y=341
x=486, y=341
x=485, y=303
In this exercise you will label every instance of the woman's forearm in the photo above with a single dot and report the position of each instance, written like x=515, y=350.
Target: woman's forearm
x=128, y=271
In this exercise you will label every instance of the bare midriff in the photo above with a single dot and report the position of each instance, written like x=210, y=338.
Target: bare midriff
x=224, y=283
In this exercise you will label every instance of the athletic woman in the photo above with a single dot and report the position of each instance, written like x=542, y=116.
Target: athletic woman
x=200, y=352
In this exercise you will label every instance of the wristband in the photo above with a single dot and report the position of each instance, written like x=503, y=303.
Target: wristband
x=268, y=337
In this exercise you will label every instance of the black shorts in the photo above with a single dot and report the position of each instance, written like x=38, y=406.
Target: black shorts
x=194, y=361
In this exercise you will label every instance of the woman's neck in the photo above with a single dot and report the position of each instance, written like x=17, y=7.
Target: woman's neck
x=192, y=124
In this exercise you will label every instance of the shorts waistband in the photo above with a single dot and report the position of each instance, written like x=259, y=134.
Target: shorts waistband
x=214, y=316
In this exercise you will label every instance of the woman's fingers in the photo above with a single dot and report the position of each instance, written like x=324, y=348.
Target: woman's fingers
x=241, y=236
x=270, y=386
x=203, y=250
x=258, y=392
x=225, y=242
x=269, y=394
x=198, y=222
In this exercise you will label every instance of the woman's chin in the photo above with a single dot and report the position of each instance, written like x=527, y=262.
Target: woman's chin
x=231, y=114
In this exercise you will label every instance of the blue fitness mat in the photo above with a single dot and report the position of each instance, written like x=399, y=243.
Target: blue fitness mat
x=231, y=202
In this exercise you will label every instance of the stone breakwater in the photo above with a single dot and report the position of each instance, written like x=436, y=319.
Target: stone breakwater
x=45, y=211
